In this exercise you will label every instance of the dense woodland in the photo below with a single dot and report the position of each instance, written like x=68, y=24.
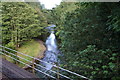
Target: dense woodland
x=88, y=34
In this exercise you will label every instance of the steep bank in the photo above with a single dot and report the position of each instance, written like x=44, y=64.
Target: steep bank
x=42, y=49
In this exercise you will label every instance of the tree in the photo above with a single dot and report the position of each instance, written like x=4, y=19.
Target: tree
x=60, y=12
x=91, y=32
x=20, y=22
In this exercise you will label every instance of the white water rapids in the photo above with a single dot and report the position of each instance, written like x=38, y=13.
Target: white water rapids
x=51, y=54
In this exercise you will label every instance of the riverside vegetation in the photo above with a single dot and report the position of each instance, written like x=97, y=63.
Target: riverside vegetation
x=88, y=34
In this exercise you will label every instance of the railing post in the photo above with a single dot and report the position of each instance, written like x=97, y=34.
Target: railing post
x=58, y=76
x=33, y=66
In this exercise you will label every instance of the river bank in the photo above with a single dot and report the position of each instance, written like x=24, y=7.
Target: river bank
x=34, y=48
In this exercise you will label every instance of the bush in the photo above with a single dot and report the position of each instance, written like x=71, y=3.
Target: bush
x=93, y=62
x=11, y=45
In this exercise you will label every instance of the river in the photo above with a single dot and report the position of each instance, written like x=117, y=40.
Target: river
x=51, y=53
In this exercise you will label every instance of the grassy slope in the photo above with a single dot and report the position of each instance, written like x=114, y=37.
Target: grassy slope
x=32, y=48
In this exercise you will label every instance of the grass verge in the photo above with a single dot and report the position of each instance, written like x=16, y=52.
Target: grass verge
x=32, y=48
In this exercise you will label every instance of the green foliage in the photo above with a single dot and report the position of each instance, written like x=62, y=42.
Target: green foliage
x=32, y=48
x=93, y=62
x=116, y=78
x=90, y=32
x=57, y=15
x=20, y=22
x=11, y=45
x=101, y=63
x=114, y=18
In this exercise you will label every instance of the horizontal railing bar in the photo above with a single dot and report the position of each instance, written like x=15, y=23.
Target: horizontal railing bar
x=35, y=64
x=29, y=66
x=47, y=63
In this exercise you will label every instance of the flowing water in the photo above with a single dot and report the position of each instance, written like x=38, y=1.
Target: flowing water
x=51, y=54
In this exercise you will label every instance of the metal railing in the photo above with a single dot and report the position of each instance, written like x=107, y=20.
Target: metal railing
x=4, y=50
